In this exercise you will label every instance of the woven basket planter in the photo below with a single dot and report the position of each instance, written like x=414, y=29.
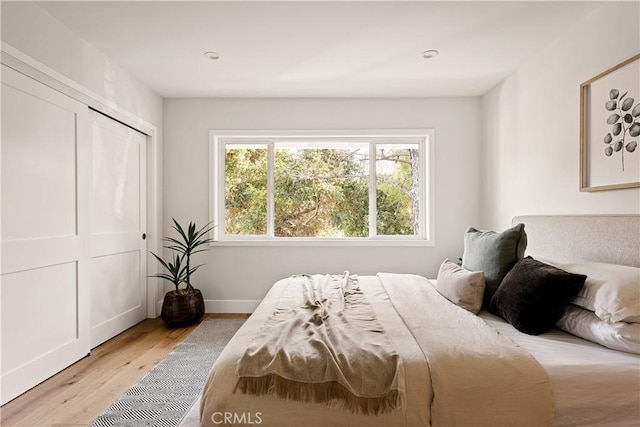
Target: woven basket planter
x=182, y=309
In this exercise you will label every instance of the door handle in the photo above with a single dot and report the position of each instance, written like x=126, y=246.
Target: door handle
x=144, y=236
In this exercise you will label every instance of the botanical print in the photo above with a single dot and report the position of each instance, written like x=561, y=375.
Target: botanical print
x=610, y=114
x=625, y=122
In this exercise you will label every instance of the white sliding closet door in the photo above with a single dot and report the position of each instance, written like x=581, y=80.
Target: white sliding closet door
x=118, y=223
x=45, y=228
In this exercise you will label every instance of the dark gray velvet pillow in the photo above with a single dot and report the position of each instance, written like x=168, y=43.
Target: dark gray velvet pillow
x=533, y=296
x=494, y=254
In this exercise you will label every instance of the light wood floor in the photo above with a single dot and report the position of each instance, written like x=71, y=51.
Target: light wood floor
x=75, y=396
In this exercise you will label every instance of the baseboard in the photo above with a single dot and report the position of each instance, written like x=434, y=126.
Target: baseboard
x=223, y=306
x=230, y=306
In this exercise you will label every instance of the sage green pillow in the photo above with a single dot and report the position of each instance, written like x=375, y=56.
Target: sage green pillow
x=494, y=254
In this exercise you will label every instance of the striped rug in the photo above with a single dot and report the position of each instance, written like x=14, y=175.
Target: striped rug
x=163, y=397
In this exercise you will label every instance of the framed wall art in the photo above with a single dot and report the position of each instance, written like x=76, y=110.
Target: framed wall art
x=610, y=128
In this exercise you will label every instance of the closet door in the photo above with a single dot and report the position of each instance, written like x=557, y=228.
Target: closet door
x=45, y=232
x=118, y=215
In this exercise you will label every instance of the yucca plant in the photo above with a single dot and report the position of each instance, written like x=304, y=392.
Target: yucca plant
x=190, y=242
x=179, y=269
x=183, y=305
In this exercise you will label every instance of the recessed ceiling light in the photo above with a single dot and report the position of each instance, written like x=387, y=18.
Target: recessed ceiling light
x=212, y=55
x=431, y=53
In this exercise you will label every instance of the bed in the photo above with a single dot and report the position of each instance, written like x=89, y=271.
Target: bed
x=586, y=384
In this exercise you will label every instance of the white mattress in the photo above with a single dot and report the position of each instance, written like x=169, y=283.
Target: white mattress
x=592, y=385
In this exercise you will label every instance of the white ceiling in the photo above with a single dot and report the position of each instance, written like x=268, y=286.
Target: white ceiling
x=319, y=49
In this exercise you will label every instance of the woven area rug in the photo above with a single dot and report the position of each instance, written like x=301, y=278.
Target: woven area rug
x=167, y=392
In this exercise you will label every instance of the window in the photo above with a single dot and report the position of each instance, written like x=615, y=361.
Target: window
x=322, y=187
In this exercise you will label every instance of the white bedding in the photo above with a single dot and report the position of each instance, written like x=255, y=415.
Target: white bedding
x=592, y=385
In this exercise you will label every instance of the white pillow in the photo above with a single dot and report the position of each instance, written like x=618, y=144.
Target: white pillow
x=462, y=287
x=585, y=324
x=612, y=291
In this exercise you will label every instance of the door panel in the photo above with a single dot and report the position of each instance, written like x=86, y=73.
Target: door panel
x=45, y=232
x=23, y=293
x=40, y=149
x=118, y=212
x=116, y=177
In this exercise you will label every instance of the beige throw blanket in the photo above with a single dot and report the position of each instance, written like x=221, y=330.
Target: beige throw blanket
x=323, y=344
x=479, y=377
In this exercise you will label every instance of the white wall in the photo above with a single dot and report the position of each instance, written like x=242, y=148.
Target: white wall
x=532, y=119
x=31, y=30
x=242, y=275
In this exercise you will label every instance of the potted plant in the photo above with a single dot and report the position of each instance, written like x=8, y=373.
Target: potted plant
x=183, y=306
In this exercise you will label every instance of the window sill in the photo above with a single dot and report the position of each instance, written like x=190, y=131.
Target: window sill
x=327, y=242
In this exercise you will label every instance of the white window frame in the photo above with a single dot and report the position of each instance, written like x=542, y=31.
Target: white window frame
x=219, y=138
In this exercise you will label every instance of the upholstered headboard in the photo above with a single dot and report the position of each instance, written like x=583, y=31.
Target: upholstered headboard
x=612, y=239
